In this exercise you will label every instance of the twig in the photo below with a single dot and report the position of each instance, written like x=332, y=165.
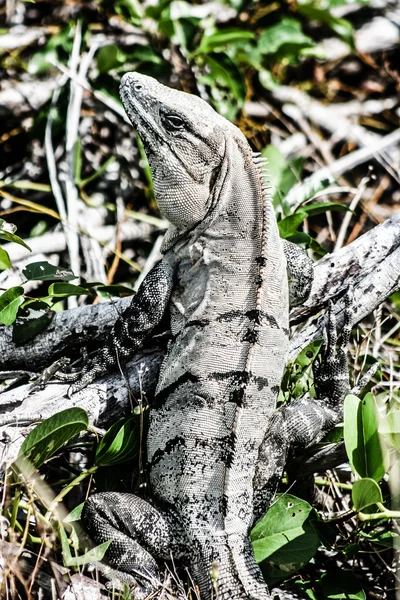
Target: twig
x=327, y=175
x=72, y=125
x=106, y=100
x=347, y=217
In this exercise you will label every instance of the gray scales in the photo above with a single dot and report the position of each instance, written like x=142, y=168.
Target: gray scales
x=216, y=444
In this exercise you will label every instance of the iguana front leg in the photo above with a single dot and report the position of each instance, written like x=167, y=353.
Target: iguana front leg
x=131, y=329
x=305, y=421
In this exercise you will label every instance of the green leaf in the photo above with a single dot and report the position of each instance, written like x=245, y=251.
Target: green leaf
x=318, y=208
x=83, y=182
x=340, y=585
x=283, y=175
x=225, y=73
x=115, y=290
x=388, y=539
x=226, y=83
x=306, y=241
x=326, y=533
x=297, y=378
x=34, y=316
x=221, y=39
x=4, y=260
x=286, y=37
x=365, y=492
x=42, y=61
x=341, y=27
x=110, y=57
x=362, y=438
x=95, y=554
x=75, y=514
x=77, y=161
x=47, y=437
x=44, y=271
x=63, y=290
x=145, y=54
x=395, y=298
x=308, y=188
x=7, y=233
x=390, y=428
x=289, y=225
x=119, y=444
x=267, y=80
x=284, y=539
x=130, y=9
x=10, y=301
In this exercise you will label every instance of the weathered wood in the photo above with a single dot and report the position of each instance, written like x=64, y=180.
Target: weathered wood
x=333, y=274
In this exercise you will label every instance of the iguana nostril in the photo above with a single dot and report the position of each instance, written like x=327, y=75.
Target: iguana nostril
x=137, y=87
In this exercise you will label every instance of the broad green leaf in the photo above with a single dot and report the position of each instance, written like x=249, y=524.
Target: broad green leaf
x=289, y=225
x=7, y=233
x=10, y=301
x=286, y=37
x=119, y=443
x=4, y=260
x=306, y=241
x=44, y=271
x=334, y=436
x=47, y=437
x=222, y=38
x=34, y=315
x=362, y=438
x=63, y=290
x=284, y=539
x=365, y=492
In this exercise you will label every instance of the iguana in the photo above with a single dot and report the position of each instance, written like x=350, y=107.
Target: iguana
x=216, y=445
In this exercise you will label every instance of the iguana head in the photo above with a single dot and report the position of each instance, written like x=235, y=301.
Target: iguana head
x=185, y=142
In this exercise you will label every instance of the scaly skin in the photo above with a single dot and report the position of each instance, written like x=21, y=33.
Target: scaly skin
x=214, y=435
x=229, y=321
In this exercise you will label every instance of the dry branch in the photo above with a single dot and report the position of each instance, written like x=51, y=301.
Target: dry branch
x=333, y=274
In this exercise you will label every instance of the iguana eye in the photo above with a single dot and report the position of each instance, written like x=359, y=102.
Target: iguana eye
x=173, y=122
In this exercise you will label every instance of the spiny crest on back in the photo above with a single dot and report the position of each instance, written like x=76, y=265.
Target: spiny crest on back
x=261, y=163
